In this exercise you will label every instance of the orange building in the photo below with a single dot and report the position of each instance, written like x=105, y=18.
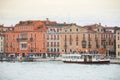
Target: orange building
x=28, y=37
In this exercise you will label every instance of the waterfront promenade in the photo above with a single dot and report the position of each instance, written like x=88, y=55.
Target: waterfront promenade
x=39, y=59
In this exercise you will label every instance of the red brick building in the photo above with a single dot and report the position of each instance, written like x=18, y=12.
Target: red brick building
x=28, y=37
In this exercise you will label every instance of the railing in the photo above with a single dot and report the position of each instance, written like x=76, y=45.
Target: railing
x=89, y=46
x=19, y=39
x=31, y=39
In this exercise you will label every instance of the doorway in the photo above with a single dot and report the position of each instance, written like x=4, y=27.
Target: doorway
x=23, y=54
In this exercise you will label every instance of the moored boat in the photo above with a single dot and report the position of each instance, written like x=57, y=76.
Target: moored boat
x=85, y=58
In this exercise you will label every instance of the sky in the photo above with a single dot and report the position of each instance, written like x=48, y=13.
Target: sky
x=81, y=12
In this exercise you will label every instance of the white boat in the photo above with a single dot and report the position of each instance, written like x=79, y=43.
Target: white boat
x=85, y=58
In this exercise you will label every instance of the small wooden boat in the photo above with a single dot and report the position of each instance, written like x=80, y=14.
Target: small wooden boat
x=85, y=58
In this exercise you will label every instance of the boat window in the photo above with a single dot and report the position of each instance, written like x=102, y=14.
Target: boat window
x=78, y=57
x=82, y=56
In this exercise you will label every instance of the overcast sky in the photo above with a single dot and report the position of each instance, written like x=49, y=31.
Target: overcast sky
x=82, y=12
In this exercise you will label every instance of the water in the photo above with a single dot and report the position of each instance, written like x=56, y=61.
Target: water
x=56, y=70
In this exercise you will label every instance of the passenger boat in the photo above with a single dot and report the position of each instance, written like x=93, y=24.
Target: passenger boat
x=85, y=58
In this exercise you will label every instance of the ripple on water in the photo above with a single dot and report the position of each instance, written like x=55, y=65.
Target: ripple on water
x=56, y=70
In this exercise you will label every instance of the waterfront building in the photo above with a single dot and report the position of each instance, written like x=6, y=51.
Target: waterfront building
x=49, y=38
x=89, y=38
x=1, y=43
x=72, y=38
x=53, y=38
x=28, y=37
x=4, y=29
x=77, y=39
x=106, y=38
x=118, y=43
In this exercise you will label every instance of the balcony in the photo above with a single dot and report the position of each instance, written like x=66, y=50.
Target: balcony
x=22, y=39
x=83, y=44
x=31, y=39
x=89, y=46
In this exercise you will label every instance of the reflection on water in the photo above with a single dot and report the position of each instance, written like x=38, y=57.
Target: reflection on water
x=56, y=70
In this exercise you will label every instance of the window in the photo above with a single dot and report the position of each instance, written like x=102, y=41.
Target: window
x=57, y=37
x=118, y=46
x=44, y=36
x=77, y=30
x=23, y=35
x=54, y=37
x=51, y=50
x=54, y=50
x=57, y=30
x=31, y=35
x=98, y=30
x=47, y=37
x=70, y=50
x=54, y=44
x=47, y=49
x=70, y=40
x=65, y=50
x=118, y=38
x=65, y=37
x=23, y=45
x=83, y=36
x=76, y=43
x=118, y=53
x=58, y=50
x=51, y=44
x=51, y=37
x=1, y=44
x=83, y=44
x=76, y=37
x=118, y=33
x=57, y=44
x=47, y=44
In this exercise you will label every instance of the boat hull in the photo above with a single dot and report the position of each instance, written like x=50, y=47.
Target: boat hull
x=92, y=62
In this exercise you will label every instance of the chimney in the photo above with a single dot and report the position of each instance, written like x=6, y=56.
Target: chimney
x=64, y=23
x=100, y=24
x=47, y=19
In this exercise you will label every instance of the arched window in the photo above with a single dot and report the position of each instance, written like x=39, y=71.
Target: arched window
x=54, y=49
x=77, y=30
x=51, y=50
x=58, y=50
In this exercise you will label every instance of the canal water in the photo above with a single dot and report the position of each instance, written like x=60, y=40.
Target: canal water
x=56, y=70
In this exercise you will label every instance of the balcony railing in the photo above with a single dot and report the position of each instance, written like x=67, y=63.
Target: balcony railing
x=83, y=44
x=31, y=39
x=20, y=39
x=89, y=46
